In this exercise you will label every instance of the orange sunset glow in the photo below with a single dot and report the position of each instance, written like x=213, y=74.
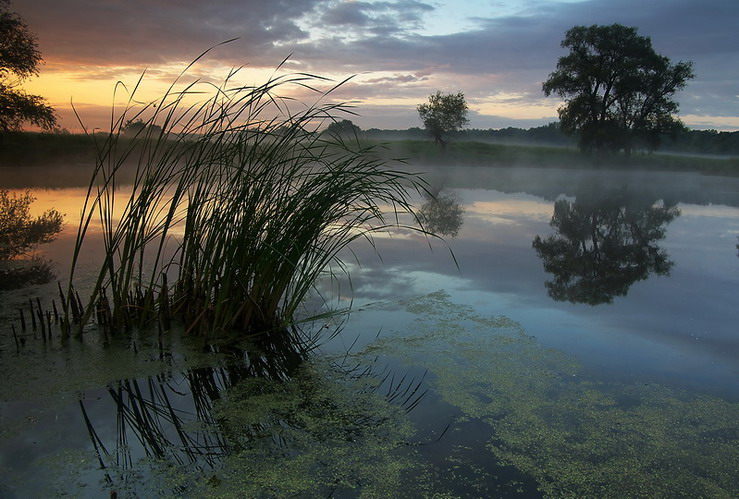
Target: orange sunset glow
x=399, y=52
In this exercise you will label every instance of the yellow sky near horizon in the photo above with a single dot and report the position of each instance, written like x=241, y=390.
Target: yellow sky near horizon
x=93, y=91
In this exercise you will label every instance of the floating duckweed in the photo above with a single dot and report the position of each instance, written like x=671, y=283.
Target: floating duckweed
x=525, y=419
x=322, y=431
x=47, y=376
x=574, y=437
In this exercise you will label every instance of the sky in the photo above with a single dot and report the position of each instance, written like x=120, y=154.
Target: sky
x=398, y=52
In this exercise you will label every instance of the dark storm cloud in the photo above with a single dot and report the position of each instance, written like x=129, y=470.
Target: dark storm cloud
x=680, y=29
x=343, y=14
x=517, y=53
x=156, y=31
x=372, y=15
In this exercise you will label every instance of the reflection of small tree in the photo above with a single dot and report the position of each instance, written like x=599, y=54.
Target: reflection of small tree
x=441, y=214
x=603, y=244
x=19, y=233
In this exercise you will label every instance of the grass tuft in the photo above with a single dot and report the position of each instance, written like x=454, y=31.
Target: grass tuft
x=238, y=205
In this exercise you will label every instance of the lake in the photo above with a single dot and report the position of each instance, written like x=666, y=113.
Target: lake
x=574, y=334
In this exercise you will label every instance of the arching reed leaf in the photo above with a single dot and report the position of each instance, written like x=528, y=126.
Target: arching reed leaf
x=237, y=199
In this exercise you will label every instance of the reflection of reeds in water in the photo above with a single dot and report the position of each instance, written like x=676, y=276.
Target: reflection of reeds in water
x=178, y=424
x=151, y=422
x=148, y=421
x=261, y=205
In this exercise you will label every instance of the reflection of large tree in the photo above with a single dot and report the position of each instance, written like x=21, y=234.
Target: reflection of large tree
x=605, y=242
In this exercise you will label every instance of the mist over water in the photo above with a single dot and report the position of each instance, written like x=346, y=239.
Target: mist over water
x=658, y=304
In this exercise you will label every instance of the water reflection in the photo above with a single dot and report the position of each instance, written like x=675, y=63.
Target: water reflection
x=17, y=274
x=605, y=241
x=19, y=234
x=442, y=214
x=247, y=424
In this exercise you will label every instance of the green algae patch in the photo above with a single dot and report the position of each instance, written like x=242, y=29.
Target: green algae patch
x=325, y=431
x=525, y=420
x=43, y=376
x=576, y=437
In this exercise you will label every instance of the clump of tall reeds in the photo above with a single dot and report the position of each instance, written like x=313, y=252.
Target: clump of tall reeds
x=238, y=206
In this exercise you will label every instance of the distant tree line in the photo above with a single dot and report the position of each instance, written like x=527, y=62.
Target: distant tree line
x=703, y=142
x=686, y=141
x=543, y=135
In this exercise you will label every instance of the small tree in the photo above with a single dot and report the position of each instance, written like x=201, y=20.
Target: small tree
x=442, y=114
x=617, y=89
x=19, y=60
x=139, y=127
x=344, y=128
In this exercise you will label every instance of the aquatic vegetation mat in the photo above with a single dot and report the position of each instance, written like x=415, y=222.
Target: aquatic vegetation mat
x=172, y=418
x=574, y=436
x=323, y=433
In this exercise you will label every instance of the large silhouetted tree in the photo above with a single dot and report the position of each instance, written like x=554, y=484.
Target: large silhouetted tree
x=618, y=91
x=19, y=60
x=442, y=114
x=604, y=242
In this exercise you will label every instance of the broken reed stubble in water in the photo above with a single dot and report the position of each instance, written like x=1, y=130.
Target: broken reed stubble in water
x=261, y=204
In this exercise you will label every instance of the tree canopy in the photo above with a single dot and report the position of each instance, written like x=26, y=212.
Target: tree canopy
x=19, y=60
x=134, y=128
x=442, y=114
x=343, y=127
x=618, y=91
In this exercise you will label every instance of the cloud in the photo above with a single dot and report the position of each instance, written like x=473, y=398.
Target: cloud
x=378, y=18
x=509, y=54
x=397, y=80
x=139, y=32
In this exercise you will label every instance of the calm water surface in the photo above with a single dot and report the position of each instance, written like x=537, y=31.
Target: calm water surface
x=575, y=334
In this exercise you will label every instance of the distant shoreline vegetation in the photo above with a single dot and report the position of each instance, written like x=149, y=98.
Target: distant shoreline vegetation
x=706, y=151
x=699, y=142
